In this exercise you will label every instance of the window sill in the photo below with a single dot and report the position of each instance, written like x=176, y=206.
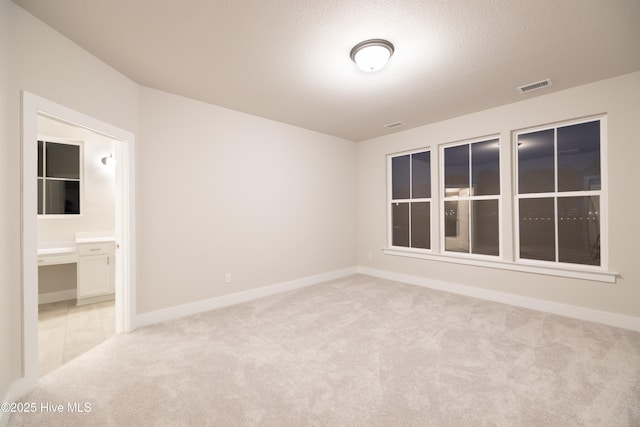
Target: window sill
x=595, y=274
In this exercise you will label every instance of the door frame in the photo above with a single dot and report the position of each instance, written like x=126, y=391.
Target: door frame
x=125, y=305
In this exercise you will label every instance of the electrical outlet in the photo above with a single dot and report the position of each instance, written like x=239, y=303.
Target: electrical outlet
x=369, y=256
x=227, y=278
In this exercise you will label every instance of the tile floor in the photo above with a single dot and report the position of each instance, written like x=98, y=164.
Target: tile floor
x=66, y=330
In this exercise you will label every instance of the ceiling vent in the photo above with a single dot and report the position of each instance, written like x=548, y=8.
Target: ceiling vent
x=394, y=125
x=534, y=86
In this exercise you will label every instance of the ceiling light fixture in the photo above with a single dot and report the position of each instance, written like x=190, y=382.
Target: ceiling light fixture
x=372, y=55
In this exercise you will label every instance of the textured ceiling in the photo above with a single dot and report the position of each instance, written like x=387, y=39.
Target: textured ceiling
x=288, y=60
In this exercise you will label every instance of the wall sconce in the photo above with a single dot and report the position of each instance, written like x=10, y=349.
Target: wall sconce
x=372, y=55
x=108, y=160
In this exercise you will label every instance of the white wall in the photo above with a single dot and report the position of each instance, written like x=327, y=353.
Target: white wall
x=620, y=99
x=9, y=222
x=222, y=191
x=57, y=278
x=98, y=180
x=39, y=60
x=217, y=191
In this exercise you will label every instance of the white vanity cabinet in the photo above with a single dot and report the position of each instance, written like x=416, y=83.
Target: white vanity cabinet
x=59, y=255
x=95, y=270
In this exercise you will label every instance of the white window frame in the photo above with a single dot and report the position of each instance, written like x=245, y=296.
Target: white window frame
x=391, y=200
x=509, y=216
x=66, y=141
x=470, y=197
x=555, y=195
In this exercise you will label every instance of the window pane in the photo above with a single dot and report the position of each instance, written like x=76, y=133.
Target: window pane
x=62, y=160
x=63, y=197
x=40, y=190
x=535, y=162
x=579, y=157
x=484, y=217
x=421, y=170
x=420, y=225
x=537, y=229
x=456, y=225
x=40, y=159
x=456, y=171
x=400, y=221
x=485, y=157
x=400, y=178
x=579, y=230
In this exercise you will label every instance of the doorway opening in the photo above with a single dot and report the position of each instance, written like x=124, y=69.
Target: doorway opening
x=35, y=108
x=76, y=200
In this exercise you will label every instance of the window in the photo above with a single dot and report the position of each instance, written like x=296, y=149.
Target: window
x=556, y=206
x=471, y=202
x=410, y=200
x=58, y=178
x=559, y=193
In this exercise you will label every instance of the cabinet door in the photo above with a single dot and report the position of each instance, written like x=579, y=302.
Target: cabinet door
x=94, y=275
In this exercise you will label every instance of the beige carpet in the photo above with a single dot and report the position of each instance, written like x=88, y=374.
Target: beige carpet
x=354, y=352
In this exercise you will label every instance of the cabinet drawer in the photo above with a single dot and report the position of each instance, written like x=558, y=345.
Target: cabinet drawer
x=54, y=259
x=85, y=249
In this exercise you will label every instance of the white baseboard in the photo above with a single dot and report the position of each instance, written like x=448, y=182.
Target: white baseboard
x=8, y=398
x=56, y=296
x=16, y=390
x=93, y=300
x=150, y=318
x=567, y=310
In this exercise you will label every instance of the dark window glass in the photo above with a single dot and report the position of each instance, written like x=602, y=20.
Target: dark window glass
x=579, y=230
x=58, y=172
x=456, y=170
x=485, y=167
x=536, y=162
x=420, y=225
x=40, y=195
x=400, y=177
x=400, y=224
x=40, y=158
x=456, y=219
x=411, y=220
x=421, y=171
x=485, y=227
x=62, y=160
x=537, y=229
x=579, y=157
x=63, y=197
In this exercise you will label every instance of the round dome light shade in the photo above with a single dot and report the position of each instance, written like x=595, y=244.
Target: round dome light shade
x=372, y=55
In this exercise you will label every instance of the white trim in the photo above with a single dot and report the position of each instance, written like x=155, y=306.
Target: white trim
x=32, y=106
x=29, y=256
x=389, y=176
x=50, y=297
x=604, y=191
x=196, y=307
x=15, y=391
x=13, y=394
x=552, y=269
x=567, y=310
